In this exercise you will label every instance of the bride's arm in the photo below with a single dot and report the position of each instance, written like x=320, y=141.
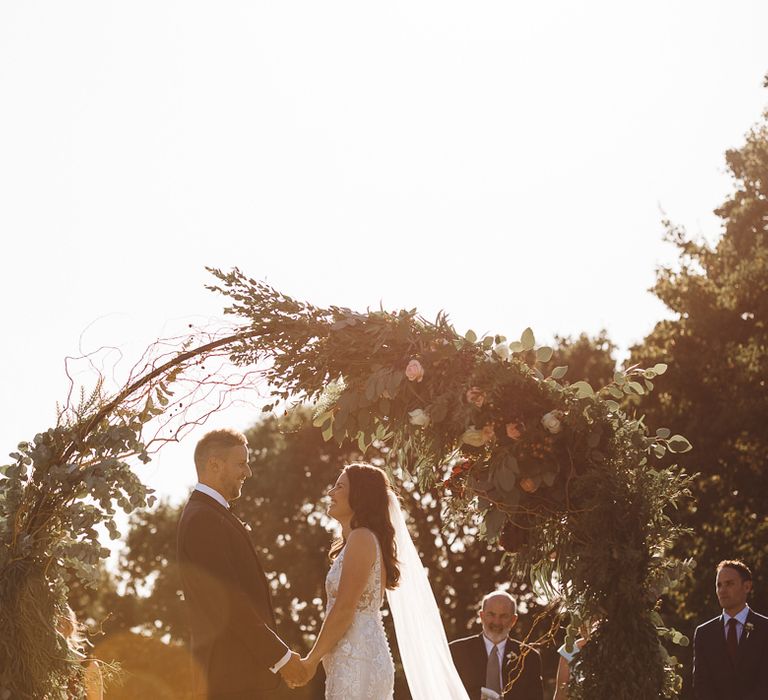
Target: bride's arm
x=359, y=556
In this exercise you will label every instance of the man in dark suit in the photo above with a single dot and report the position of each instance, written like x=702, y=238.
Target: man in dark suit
x=238, y=654
x=730, y=652
x=493, y=660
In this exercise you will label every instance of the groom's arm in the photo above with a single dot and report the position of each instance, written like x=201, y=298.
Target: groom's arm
x=218, y=590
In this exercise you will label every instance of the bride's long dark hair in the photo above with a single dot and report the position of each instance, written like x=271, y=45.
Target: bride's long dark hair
x=369, y=490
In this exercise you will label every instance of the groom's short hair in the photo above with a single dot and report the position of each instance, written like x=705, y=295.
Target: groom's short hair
x=215, y=441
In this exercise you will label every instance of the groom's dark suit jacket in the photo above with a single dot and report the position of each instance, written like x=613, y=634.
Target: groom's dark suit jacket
x=234, y=642
x=716, y=677
x=471, y=661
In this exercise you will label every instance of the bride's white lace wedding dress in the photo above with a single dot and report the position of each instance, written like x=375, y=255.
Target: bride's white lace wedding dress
x=360, y=666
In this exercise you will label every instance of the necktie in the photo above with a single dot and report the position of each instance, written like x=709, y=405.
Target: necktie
x=732, y=641
x=493, y=671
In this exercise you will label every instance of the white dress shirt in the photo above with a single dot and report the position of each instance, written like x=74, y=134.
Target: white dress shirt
x=741, y=620
x=213, y=493
x=216, y=496
x=500, y=647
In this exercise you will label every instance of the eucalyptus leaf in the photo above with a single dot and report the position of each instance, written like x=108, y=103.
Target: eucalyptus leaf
x=679, y=444
x=505, y=478
x=494, y=521
x=583, y=389
x=615, y=392
x=320, y=420
x=549, y=478
x=559, y=372
x=527, y=339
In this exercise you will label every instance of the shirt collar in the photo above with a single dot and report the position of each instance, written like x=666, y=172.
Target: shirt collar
x=740, y=617
x=489, y=645
x=213, y=493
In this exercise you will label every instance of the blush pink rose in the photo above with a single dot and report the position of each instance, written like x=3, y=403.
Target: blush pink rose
x=476, y=396
x=488, y=433
x=514, y=431
x=414, y=371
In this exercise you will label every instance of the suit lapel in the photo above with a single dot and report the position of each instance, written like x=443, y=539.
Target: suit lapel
x=747, y=642
x=239, y=527
x=230, y=516
x=511, y=659
x=510, y=654
x=718, y=643
x=482, y=658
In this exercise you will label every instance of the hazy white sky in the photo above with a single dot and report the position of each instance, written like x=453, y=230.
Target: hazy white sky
x=505, y=161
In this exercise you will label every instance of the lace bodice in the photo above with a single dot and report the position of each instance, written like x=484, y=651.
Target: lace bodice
x=360, y=665
x=371, y=599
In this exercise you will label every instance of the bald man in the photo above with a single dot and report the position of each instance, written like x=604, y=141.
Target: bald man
x=493, y=660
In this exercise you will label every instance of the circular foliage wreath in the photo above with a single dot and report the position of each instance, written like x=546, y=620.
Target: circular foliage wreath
x=560, y=475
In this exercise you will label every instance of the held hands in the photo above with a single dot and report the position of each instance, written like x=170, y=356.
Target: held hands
x=294, y=672
x=310, y=666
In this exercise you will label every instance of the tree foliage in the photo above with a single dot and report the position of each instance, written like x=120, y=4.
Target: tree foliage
x=588, y=358
x=715, y=390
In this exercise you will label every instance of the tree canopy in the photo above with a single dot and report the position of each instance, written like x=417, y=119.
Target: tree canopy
x=715, y=390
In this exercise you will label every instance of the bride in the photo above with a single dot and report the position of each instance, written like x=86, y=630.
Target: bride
x=375, y=556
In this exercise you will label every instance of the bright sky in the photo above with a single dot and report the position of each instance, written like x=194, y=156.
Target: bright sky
x=505, y=161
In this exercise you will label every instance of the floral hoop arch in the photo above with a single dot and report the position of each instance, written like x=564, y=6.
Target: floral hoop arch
x=560, y=475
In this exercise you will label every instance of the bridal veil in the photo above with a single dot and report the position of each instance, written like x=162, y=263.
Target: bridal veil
x=420, y=634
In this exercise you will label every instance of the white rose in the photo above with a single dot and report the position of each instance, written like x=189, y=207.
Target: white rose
x=419, y=417
x=502, y=351
x=551, y=422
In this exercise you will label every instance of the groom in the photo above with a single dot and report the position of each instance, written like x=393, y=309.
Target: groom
x=238, y=654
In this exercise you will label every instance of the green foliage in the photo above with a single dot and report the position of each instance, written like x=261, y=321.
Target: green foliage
x=59, y=488
x=487, y=427
x=586, y=358
x=547, y=468
x=714, y=390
